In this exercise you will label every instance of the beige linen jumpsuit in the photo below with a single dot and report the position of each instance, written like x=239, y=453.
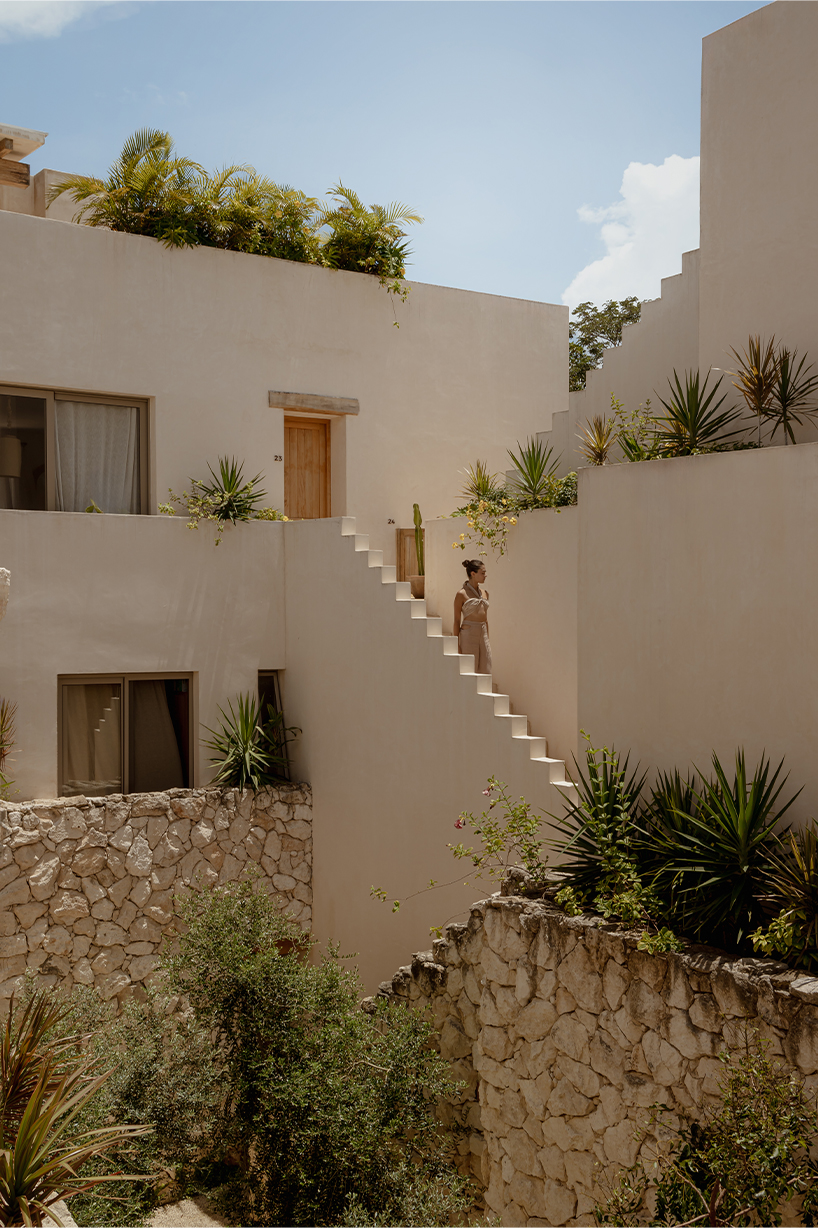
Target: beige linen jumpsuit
x=474, y=632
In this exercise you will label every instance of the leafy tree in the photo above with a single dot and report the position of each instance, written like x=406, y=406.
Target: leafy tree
x=594, y=329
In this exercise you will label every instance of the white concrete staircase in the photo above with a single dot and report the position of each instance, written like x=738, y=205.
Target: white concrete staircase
x=509, y=724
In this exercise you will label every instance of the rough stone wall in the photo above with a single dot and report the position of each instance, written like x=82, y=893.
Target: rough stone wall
x=568, y=1034
x=87, y=884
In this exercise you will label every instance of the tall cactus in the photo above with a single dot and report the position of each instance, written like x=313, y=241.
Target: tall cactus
x=419, y=540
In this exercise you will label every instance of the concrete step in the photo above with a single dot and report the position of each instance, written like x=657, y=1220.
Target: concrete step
x=361, y=542
x=516, y=723
x=403, y=590
x=418, y=608
x=450, y=646
x=374, y=558
x=389, y=574
x=536, y=746
x=434, y=627
x=556, y=767
x=347, y=526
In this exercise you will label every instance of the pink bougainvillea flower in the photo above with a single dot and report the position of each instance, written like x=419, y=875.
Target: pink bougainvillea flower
x=461, y=822
x=487, y=793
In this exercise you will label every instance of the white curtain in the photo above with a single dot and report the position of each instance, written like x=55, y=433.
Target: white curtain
x=155, y=760
x=97, y=457
x=92, y=740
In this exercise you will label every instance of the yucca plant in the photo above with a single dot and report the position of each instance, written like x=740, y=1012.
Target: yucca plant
x=231, y=497
x=597, y=438
x=715, y=850
x=793, y=886
x=692, y=420
x=365, y=240
x=45, y=1083
x=8, y=712
x=480, y=483
x=598, y=838
x=795, y=394
x=250, y=748
x=758, y=371
x=534, y=470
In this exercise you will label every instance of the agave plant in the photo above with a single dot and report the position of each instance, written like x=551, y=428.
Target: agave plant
x=756, y=376
x=597, y=438
x=365, y=240
x=8, y=711
x=250, y=747
x=534, y=470
x=480, y=483
x=716, y=849
x=45, y=1082
x=795, y=394
x=599, y=833
x=231, y=498
x=692, y=420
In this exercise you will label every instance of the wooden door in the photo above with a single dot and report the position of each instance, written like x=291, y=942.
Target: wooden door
x=306, y=469
x=407, y=555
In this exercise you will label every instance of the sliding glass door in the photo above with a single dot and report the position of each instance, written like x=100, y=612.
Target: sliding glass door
x=129, y=733
x=69, y=453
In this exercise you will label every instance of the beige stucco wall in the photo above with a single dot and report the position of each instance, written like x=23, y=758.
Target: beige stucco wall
x=33, y=200
x=396, y=744
x=532, y=614
x=697, y=606
x=208, y=334
x=106, y=594
x=759, y=180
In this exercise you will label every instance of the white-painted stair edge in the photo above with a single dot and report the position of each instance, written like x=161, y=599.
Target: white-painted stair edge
x=514, y=723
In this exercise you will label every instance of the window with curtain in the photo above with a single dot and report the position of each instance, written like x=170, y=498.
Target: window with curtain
x=60, y=452
x=126, y=735
x=96, y=457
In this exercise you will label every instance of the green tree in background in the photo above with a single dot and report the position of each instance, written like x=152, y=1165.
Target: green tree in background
x=594, y=329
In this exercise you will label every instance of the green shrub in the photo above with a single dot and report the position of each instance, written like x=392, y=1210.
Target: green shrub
x=793, y=886
x=743, y=1164
x=325, y=1109
x=226, y=499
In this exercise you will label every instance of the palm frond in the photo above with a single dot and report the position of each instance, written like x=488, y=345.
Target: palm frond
x=597, y=438
x=534, y=468
x=692, y=421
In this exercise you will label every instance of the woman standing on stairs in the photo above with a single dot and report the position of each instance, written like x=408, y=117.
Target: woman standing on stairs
x=471, y=617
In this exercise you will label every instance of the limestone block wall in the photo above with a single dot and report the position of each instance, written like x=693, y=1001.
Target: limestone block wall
x=87, y=884
x=566, y=1034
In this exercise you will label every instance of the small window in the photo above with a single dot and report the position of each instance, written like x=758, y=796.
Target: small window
x=269, y=696
x=124, y=734
x=68, y=452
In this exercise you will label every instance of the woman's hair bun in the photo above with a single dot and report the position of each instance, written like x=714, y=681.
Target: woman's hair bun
x=472, y=565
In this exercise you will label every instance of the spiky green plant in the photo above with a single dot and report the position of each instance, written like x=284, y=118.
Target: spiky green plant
x=597, y=438
x=756, y=375
x=480, y=483
x=46, y=1081
x=691, y=420
x=250, y=748
x=419, y=539
x=715, y=855
x=795, y=395
x=534, y=470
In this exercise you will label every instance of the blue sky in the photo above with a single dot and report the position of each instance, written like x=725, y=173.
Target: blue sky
x=550, y=146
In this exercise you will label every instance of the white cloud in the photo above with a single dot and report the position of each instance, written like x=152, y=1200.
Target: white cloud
x=644, y=233
x=20, y=19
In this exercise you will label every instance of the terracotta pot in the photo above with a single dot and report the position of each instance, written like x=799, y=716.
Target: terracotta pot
x=417, y=583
